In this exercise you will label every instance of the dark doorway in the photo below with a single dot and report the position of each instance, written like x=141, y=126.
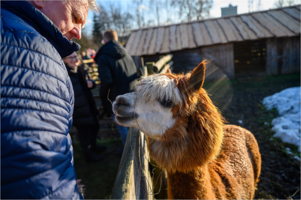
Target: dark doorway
x=250, y=58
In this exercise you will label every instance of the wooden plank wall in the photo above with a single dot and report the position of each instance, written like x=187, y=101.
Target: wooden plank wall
x=183, y=61
x=283, y=55
x=221, y=56
x=214, y=38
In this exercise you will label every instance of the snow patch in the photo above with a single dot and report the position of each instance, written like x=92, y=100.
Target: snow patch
x=287, y=126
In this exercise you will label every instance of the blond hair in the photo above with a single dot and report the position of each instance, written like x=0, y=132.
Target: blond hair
x=110, y=35
x=92, y=4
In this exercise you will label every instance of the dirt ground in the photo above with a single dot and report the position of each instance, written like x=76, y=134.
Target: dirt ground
x=280, y=175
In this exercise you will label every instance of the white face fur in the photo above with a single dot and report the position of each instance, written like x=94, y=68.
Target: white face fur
x=151, y=117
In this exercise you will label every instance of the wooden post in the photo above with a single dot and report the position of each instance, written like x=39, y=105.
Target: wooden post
x=158, y=66
x=150, y=66
x=133, y=180
x=167, y=66
x=144, y=71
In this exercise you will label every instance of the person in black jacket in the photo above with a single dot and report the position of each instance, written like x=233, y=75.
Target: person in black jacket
x=117, y=72
x=85, y=112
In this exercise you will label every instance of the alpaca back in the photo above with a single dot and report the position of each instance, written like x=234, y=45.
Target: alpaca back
x=232, y=175
x=238, y=166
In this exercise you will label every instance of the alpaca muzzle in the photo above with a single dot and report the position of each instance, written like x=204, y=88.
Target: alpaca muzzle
x=124, y=108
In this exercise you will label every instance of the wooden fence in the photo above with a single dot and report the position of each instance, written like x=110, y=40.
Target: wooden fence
x=133, y=180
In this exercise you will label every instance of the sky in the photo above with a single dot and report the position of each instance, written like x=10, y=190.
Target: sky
x=242, y=7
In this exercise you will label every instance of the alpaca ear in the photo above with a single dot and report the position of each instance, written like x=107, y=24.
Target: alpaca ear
x=198, y=76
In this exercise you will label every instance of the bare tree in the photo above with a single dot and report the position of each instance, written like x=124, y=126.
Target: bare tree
x=192, y=9
x=140, y=13
x=279, y=3
x=203, y=8
x=170, y=13
x=103, y=18
x=283, y=3
x=125, y=24
x=259, y=5
x=113, y=16
x=250, y=5
x=156, y=9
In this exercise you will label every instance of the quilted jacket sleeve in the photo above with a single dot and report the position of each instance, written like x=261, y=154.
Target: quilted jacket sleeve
x=36, y=114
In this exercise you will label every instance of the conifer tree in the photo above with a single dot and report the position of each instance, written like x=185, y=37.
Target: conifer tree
x=96, y=31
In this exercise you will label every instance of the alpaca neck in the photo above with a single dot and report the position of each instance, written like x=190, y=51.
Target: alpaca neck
x=194, y=184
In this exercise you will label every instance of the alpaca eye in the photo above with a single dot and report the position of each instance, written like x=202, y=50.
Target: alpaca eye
x=166, y=103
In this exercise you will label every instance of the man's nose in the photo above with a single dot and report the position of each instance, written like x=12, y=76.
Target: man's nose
x=79, y=33
x=76, y=32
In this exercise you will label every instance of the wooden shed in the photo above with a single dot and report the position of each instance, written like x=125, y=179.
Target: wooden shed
x=257, y=43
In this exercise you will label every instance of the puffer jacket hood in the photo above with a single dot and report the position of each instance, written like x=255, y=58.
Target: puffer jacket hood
x=113, y=49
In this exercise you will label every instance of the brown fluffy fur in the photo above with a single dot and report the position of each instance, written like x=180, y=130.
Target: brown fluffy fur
x=204, y=158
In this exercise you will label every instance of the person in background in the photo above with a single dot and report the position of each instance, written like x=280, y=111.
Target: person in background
x=85, y=56
x=93, y=53
x=37, y=97
x=117, y=72
x=85, y=112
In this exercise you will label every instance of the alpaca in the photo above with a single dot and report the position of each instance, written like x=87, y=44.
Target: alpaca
x=186, y=136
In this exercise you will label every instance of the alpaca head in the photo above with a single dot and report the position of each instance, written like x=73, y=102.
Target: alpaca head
x=183, y=127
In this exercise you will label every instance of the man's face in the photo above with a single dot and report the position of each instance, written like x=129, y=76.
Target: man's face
x=69, y=17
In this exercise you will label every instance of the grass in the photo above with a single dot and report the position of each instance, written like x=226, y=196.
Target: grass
x=99, y=177
x=265, y=123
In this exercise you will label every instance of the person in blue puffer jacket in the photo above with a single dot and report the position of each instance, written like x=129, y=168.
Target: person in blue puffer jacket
x=37, y=97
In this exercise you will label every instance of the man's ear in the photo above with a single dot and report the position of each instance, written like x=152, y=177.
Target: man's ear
x=39, y=4
x=198, y=76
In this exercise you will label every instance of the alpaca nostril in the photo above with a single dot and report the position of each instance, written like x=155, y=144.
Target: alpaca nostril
x=122, y=101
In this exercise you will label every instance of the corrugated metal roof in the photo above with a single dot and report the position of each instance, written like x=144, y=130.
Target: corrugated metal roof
x=282, y=22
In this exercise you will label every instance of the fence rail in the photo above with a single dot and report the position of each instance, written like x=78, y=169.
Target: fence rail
x=163, y=64
x=133, y=179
